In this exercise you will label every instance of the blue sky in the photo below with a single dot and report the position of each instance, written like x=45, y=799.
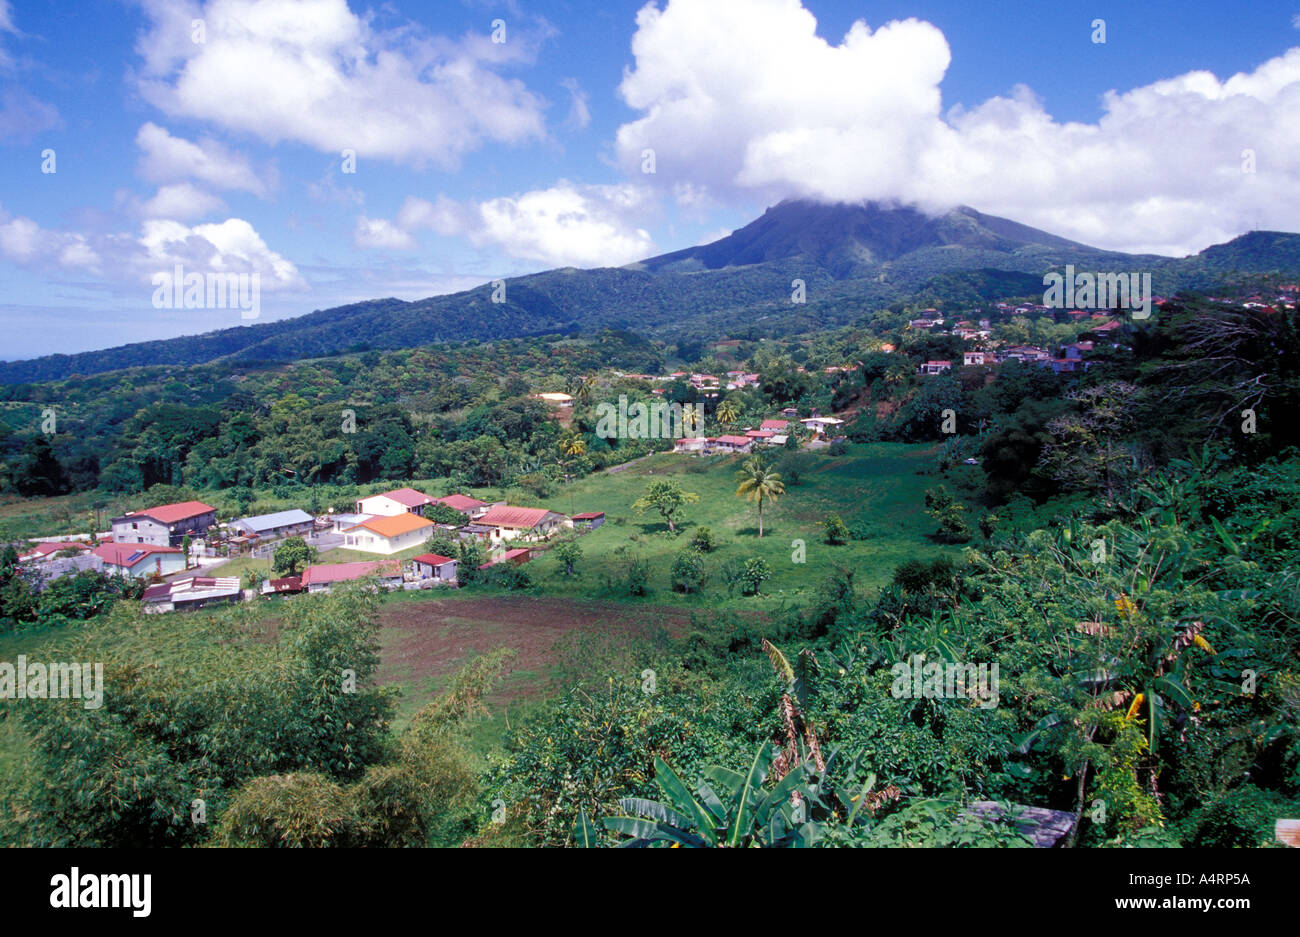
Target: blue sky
x=211, y=135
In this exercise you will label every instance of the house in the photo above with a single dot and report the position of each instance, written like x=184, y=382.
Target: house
x=790, y=413
x=292, y=523
x=321, y=578
x=476, y=532
x=972, y=357
x=140, y=560
x=820, y=424
x=472, y=507
x=780, y=439
x=41, y=552
x=192, y=592
x=287, y=585
x=1025, y=353
x=934, y=367
x=1077, y=349
x=776, y=426
x=690, y=444
x=732, y=444
x=397, y=501
x=166, y=525
x=342, y=522
x=510, y=522
x=515, y=557
x=433, y=566
x=388, y=535
x=589, y=520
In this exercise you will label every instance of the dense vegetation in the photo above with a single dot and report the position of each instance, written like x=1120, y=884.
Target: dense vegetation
x=1125, y=551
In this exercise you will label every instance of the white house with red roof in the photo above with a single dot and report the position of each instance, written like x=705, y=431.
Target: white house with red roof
x=434, y=566
x=731, y=443
x=934, y=367
x=397, y=501
x=509, y=523
x=776, y=426
x=690, y=444
x=140, y=560
x=165, y=525
x=465, y=504
x=41, y=551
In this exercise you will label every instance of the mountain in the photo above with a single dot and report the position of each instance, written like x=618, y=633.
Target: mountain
x=851, y=257
x=851, y=238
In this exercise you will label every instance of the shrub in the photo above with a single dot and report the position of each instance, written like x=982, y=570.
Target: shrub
x=756, y=573
x=703, y=540
x=688, y=573
x=835, y=532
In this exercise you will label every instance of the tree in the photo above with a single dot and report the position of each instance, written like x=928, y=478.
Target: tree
x=728, y=413
x=567, y=553
x=688, y=573
x=836, y=532
x=703, y=540
x=291, y=555
x=950, y=514
x=668, y=499
x=756, y=573
x=759, y=484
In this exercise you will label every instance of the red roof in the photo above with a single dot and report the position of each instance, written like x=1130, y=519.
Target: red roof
x=287, y=584
x=345, y=572
x=734, y=440
x=432, y=559
x=774, y=424
x=462, y=503
x=45, y=549
x=760, y=434
x=519, y=553
x=588, y=515
x=506, y=516
x=129, y=554
x=171, y=513
x=407, y=496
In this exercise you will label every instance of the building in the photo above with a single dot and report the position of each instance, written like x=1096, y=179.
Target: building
x=589, y=520
x=822, y=424
x=433, y=566
x=192, y=592
x=322, y=578
x=140, y=560
x=41, y=552
x=397, y=501
x=776, y=426
x=477, y=532
x=732, y=444
x=515, y=557
x=388, y=534
x=972, y=357
x=934, y=367
x=166, y=525
x=790, y=413
x=472, y=507
x=294, y=523
x=509, y=522
x=288, y=585
x=690, y=444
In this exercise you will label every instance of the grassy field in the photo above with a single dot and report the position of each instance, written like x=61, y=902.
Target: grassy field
x=426, y=636
x=880, y=485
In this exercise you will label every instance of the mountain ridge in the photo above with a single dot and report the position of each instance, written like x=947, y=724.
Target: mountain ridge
x=851, y=257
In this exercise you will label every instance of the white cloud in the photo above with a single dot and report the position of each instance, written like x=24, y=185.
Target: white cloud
x=311, y=71
x=381, y=234
x=231, y=246
x=182, y=201
x=564, y=225
x=166, y=159
x=579, y=112
x=746, y=99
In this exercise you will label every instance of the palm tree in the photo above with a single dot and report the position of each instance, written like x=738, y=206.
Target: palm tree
x=759, y=483
x=585, y=386
x=728, y=413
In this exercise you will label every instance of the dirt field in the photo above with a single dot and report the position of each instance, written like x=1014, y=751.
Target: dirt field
x=425, y=642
